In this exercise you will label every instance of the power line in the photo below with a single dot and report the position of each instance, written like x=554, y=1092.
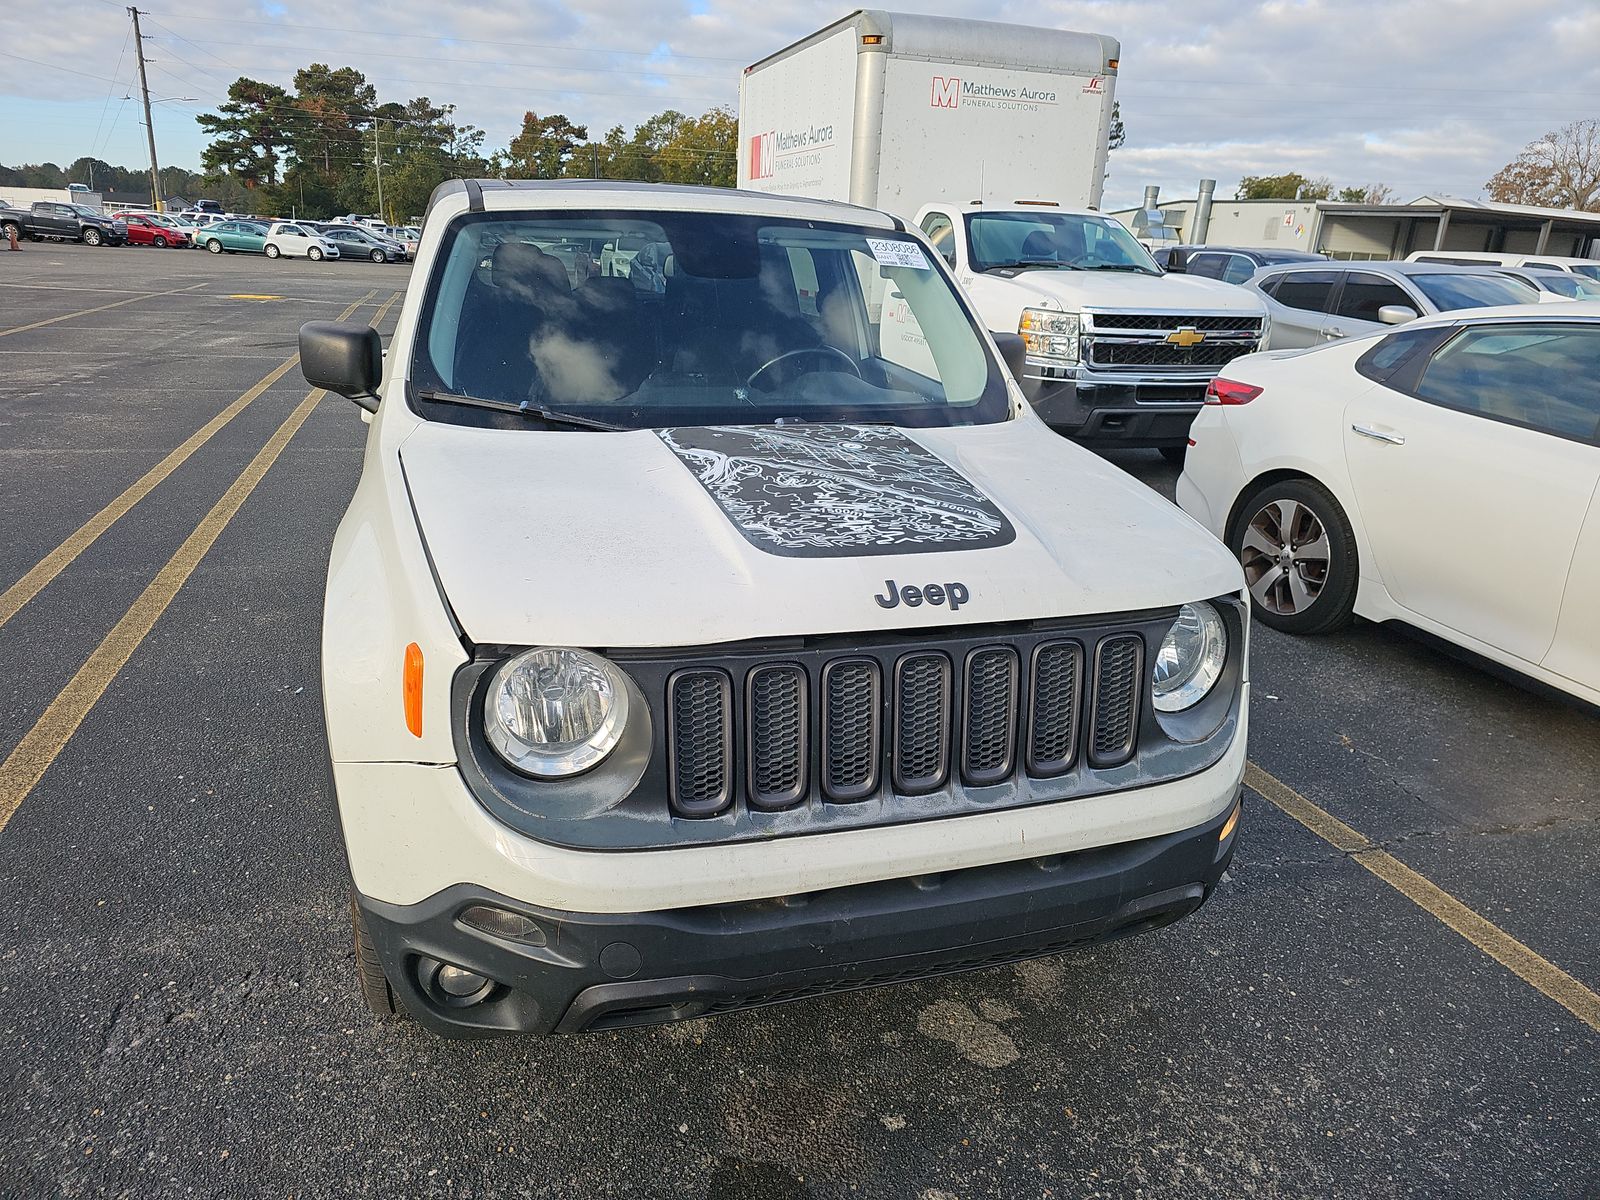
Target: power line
x=472, y=62
x=111, y=87
x=433, y=37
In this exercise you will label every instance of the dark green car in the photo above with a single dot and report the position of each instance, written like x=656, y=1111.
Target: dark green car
x=244, y=237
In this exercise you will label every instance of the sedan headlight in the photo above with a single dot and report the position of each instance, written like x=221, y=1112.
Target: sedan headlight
x=1191, y=658
x=1050, y=334
x=553, y=713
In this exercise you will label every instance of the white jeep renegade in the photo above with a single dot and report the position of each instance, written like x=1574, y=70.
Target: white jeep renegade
x=695, y=641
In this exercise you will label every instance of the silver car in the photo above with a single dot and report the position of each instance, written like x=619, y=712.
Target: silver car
x=1313, y=303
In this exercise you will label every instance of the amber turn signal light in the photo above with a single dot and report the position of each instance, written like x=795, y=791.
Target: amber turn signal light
x=413, y=689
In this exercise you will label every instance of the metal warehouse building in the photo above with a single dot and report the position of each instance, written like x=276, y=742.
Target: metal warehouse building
x=1387, y=231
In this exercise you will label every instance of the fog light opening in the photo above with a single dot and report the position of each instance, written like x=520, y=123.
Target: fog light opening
x=453, y=986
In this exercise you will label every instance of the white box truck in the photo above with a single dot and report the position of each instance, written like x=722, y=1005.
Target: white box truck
x=888, y=111
x=992, y=139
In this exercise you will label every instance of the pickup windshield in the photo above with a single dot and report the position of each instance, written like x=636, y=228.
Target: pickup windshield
x=646, y=319
x=999, y=240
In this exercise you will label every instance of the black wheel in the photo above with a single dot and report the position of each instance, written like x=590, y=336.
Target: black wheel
x=1299, y=556
x=272, y=251
x=91, y=236
x=214, y=246
x=370, y=979
x=1174, y=454
x=376, y=256
x=159, y=242
x=12, y=230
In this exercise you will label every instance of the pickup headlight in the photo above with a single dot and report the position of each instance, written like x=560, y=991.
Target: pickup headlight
x=1191, y=658
x=1050, y=334
x=553, y=712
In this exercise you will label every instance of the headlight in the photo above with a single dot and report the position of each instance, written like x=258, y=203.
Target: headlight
x=552, y=712
x=1191, y=658
x=1048, y=334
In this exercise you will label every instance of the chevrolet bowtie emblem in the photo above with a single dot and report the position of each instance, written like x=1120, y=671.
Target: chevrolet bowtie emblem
x=1185, y=338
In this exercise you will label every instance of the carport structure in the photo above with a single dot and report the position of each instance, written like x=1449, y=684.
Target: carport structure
x=1387, y=231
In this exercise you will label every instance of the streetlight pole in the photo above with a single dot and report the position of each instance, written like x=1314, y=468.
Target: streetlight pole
x=149, y=125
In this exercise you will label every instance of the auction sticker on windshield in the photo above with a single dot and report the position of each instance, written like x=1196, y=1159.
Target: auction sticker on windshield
x=893, y=253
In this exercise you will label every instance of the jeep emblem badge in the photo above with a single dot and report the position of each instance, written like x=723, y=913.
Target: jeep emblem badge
x=953, y=594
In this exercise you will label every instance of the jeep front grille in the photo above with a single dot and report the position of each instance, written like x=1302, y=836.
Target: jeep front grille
x=700, y=728
x=902, y=721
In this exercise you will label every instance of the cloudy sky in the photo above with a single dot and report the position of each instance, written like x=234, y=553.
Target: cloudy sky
x=1424, y=95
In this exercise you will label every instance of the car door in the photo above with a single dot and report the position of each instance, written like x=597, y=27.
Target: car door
x=1575, y=653
x=251, y=238
x=1299, y=302
x=1473, y=470
x=56, y=219
x=1360, y=297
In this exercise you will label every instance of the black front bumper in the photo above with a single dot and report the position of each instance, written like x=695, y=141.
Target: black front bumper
x=608, y=970
x=1104, y=414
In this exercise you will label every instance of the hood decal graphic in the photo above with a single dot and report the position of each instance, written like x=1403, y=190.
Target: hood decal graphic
x=831, y=491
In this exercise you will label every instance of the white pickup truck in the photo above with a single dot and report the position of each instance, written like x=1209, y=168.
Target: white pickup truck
x=1119, y=353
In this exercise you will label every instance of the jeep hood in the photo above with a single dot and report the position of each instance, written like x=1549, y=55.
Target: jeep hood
x=1117, y=291
x=696, y=536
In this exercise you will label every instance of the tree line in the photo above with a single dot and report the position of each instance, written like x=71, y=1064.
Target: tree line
x=326, y=145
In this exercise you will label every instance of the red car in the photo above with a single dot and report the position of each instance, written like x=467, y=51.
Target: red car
x=149, y=229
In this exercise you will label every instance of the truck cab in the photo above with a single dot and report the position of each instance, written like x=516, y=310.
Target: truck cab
x=1118, y=351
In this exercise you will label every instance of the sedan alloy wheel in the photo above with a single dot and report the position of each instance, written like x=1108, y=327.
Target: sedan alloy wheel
x=1299, y=556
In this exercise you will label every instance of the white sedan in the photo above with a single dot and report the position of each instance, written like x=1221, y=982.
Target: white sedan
x=291, y=240
x=1444, y=474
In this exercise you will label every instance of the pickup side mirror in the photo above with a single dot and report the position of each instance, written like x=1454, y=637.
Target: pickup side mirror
x=346, y=359
x=1396, y=314
x=1177, y=262
x=1013, y=352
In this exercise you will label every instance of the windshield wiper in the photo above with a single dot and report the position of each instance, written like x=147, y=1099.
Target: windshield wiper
x=526, y=409
x=1120, y=267
x=1022, y=264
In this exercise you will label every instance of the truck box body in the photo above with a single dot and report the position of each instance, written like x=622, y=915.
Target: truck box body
x=889, y=111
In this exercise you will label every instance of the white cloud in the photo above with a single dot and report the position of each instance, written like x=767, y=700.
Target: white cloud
x=1427, y=97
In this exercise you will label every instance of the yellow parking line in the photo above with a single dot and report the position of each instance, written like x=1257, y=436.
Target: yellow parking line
x=32, y=756
x=1533, y=969
x=102, y=308
x=52, y=564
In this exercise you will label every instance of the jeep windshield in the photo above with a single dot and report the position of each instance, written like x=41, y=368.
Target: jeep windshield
x=643, y=319
x=1012, y=240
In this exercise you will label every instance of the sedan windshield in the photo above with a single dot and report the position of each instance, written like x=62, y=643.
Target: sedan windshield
x=1046, y=239
x=713, y=319
x=1450, y=292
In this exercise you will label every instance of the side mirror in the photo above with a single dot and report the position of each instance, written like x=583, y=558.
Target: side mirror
x=1177, y=262
x=345, y=359
x=1014, y=353
x=1397, y=314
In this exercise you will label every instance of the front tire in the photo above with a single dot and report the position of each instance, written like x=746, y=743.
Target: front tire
x=160, y=243
x=314, y=254
x=1299, y=557
x=376, y=256
x=214, y=246
x=370, y=979
x=91, y=237
x=272, y=252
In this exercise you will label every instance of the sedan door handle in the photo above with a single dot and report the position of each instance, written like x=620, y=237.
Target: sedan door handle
x=1333, y=335
x=1378, y=435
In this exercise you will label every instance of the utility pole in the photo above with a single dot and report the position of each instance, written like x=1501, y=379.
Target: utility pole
x=377, y=162
x=149, y=126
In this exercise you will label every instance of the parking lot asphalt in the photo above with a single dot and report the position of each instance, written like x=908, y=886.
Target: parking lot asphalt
x=177, y=1012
